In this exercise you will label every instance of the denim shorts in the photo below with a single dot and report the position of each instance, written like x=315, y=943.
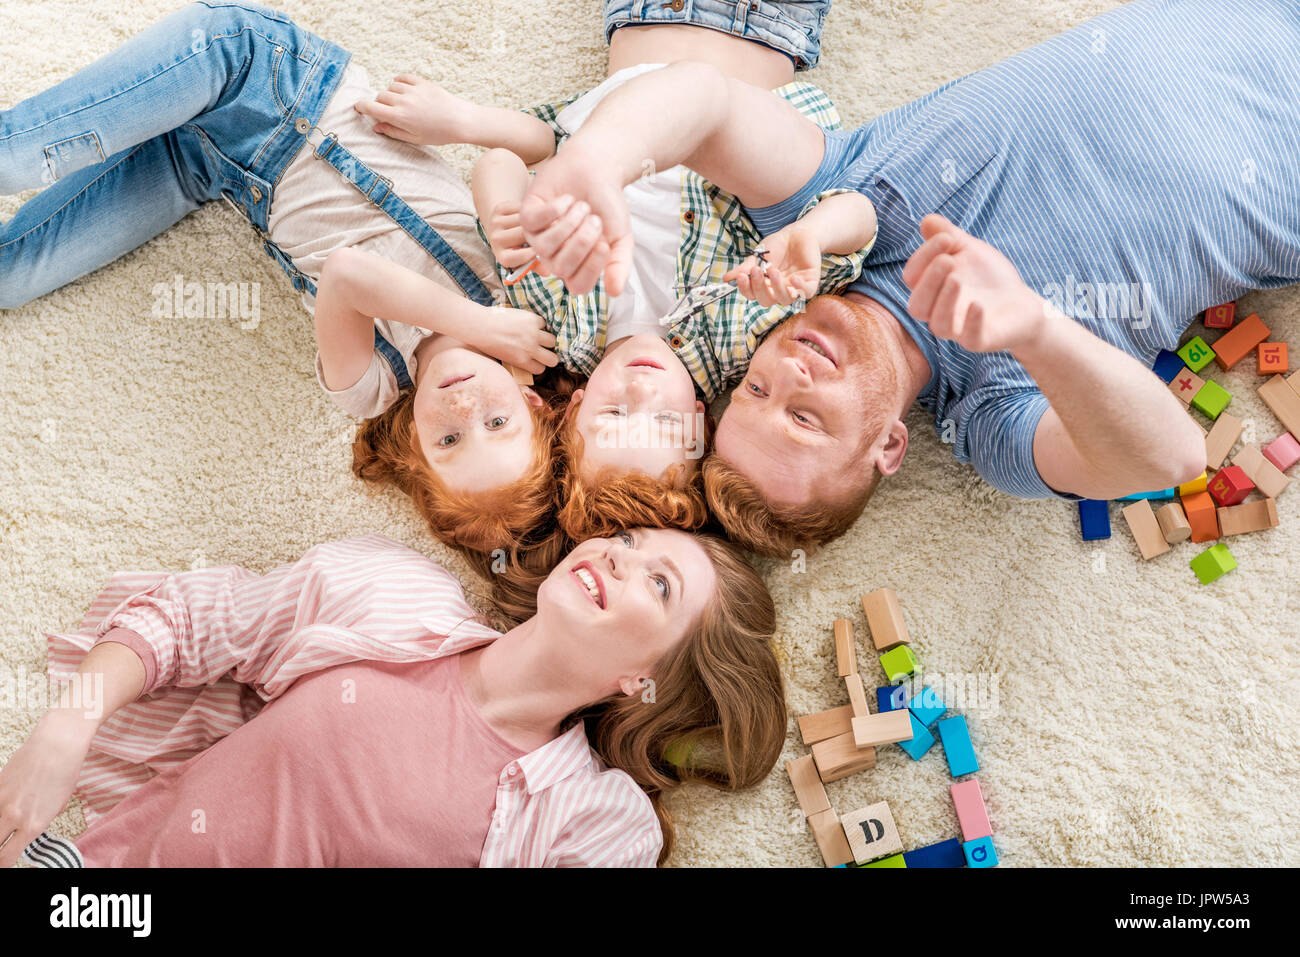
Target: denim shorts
x=793, y=27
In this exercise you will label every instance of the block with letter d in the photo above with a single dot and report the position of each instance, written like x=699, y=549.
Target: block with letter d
x=871, y=833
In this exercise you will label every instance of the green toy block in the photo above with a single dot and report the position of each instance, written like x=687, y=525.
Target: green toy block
x=899, y=663
x=1196, y=354
x=894, y=860
x=1213, y=563
x=1211, y=399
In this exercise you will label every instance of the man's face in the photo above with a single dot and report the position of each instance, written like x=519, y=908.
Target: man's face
x=802, y=423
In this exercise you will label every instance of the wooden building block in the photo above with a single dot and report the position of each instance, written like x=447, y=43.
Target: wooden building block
x=808, y=789
x=980, y=853
x=1273, y=358
x=1221, y=317
x=921, y=741
x=968, y=799
x=1196, y=354
x=1185, y=385
x=826, y=724
x=871, y=833
x=1281, y=397
x=1195, y=485
x=830, y=837
x=899, y=663
x=1263, y=474
x=1211, y=399
x=944, y=854
x=1215, y=562
x=1173, y=523
x=927, y=706
x=1094, y=519
x=1146, y=530
x=857, y=695
x=1200, y=511
x=838, y=757
x=1239, y=342
x=846, y=652
x=520, y=376
x=1283, y=451
x=957, y=748
x=895, y=860
x=1221, y=439
x=884, y=618
x=1248, y=517
x=1230, y=486
x=887, y=728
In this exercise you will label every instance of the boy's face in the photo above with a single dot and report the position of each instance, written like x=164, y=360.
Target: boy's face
x=638, y=412
x=472, y=419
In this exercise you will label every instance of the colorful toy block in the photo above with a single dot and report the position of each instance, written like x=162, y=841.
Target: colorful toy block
x=895, y=860
x=1196, y=354
x=1221, y=438
x=899, y=663
x=1221, y=317
x=1230, y=486
x=884, y=618
x=1283, y=451
x=944, y=854
x=1213, y=563
x=927, y=706
x=891, y=698
x=889, y=727
x=871, y=833
x=1273, y=358
x=956, y=746
x=838, y=757
x=921, y=742
x=1280, y=396
x=846, y=653
x=1265, y=476
x=1198, y=484
x=1211, y=399
x=1157, y=496
x=1199, y=507
x=1146, y=530
x=971, y=812
x=1248, y=517
x=808, y=789
x=857, y=695
x=1094, y=519
x=1173, y=523
x=980, y=853
x=831, y=840
x=1234, y=345
x=1185, y=385
x=826, y=724
x=1167, y=365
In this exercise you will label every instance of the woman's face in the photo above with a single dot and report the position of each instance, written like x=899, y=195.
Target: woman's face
x=622, y=603
x=472, y=419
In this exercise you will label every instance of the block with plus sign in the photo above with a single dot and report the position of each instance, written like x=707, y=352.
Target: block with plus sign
x=1185, y=385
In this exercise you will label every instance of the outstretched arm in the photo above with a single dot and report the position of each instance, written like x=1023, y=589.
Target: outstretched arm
x=1113, y=427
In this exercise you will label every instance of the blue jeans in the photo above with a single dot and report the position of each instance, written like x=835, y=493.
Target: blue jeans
x=792, y=27
x=213, y=101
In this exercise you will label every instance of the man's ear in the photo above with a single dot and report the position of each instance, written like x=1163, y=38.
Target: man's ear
x=576, y=396
x=531, y=397
x=890, y=456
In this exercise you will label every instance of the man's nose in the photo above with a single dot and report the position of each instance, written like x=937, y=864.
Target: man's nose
x=796, y=371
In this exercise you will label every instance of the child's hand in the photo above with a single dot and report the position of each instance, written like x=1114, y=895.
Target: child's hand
x=506, y=236
x=419, y=111
x=967, y=291
x=514, y=336
x=793, y=268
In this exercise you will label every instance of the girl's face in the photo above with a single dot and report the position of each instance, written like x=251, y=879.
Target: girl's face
x=472, y=418
x=622, y=603
x=638, y=411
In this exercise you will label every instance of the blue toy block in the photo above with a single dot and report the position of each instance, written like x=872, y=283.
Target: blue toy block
x=1158, y=496
x=944, y=854
x=980, y=852
x=891, y=698
x=1168, y=364
x=922, y=740
x=1094, y=519
x=957, y=746
x=927, y=707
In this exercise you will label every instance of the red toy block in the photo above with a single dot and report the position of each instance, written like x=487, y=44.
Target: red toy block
x=1221, y=317
x=1273, y=358
x=1283, y=451
x=1201, y=515
x=1233, y=346
x=1230, y=486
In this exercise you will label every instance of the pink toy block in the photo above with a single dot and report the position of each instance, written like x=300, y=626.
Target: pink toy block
x=1283, y=451
x=971, y=813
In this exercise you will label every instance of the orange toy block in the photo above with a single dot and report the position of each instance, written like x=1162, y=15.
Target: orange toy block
x=1273, y=358
x=1234, y=345
x=1185, y=385
x=1199, y=508
x=846, y=655
x=1221, y=317
x=1146, y=532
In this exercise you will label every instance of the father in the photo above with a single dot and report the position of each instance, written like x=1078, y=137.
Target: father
x=1154, y=151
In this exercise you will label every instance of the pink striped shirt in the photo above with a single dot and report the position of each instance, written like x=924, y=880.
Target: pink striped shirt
x=218, y=643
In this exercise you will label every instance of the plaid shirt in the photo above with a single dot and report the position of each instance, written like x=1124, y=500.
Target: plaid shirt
x=716, y=344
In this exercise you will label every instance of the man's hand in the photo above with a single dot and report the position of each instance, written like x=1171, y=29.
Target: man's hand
x=514, y=336
x=416, y=110
x=506, y=236
x=793, y=268
x=967, y=291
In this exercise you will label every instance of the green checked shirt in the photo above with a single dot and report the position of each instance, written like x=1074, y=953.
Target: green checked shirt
x=716, y=344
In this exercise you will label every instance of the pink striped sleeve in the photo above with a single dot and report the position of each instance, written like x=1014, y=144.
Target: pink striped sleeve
x=609, y=823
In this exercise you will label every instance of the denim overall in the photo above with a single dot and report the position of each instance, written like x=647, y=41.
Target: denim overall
x=212, y=102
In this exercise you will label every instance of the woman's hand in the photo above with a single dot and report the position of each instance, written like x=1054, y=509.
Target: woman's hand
x=38, y=780
x=515, y=336
x=791, y=268
x=416, y=110
x=506, y=236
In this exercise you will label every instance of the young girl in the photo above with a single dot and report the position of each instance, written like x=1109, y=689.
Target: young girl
x=348, y=710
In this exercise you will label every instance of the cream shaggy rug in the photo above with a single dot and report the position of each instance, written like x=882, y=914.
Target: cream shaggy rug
x=1141, y=718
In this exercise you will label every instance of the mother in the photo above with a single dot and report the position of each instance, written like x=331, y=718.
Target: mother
x=389, y=726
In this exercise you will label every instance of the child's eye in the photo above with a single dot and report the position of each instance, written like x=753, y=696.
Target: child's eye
x=627, y=538
x=614, y=410
x=664, y=588
x=447, y=441
x=498, y=422
x=669, y=417
x=799, y=418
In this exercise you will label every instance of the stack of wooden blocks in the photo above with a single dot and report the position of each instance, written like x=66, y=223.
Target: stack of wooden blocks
x=1215, y=505
x=843, y=741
